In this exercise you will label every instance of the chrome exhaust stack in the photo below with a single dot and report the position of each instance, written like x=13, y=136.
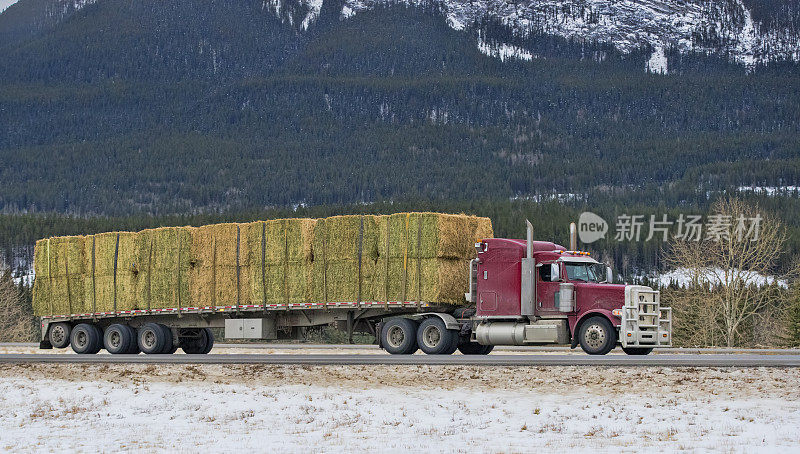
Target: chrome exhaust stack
x=528, y=282
x=573, y=237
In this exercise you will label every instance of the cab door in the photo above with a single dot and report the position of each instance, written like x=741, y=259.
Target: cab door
x=546, y=289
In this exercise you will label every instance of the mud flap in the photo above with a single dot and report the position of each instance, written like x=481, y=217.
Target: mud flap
x=45, y=345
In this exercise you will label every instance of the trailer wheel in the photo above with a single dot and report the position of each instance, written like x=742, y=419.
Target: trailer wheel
x=86, y=339
x=198, y=345
x=151, y=338
x=597, y=336
x=118, y=339
x=637, y=351
x=169, y=346
x=209, y=341
x=133, y=348
x=58, y=335
x=434, y=338
x=474, y=348
x=399, y=336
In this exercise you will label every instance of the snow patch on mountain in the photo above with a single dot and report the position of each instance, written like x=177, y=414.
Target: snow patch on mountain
x=722, y=27
x=503, y=51
x=657, y=64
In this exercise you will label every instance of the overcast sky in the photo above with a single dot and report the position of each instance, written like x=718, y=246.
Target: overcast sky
x=6, y=3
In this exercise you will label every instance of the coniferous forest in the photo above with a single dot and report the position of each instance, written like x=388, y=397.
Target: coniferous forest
x=132, y=114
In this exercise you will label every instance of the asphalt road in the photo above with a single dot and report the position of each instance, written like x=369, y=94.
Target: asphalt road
x=660, y=360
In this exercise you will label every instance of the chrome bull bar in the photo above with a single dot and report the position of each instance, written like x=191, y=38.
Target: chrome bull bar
x=644, y=322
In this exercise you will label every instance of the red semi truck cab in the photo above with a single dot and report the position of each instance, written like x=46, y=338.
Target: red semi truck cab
x=536, y=292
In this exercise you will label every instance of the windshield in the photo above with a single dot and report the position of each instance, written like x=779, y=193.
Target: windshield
x=586, y=272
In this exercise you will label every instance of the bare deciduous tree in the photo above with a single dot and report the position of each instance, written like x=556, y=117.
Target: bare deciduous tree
x=733, y=273
x=16, y=324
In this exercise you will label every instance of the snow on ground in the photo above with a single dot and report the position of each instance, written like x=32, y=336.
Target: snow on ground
x=683, y=277
x=772, y=191
x=394, y=408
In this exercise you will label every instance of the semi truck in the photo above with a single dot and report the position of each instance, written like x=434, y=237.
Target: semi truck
x=520, y=292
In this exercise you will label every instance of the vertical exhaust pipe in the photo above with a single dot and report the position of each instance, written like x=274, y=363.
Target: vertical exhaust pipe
x=529, y=228
x=573, y=237
x=528, y=283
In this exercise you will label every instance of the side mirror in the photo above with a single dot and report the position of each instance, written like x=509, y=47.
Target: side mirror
x=555, y=272
x=609, y=275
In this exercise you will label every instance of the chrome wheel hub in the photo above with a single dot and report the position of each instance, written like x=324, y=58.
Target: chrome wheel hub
x=431, y=336
x=396, y=336
x=595, y=336
x=57, y=334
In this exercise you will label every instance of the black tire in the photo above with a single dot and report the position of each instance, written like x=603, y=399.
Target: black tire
x=151, y=338
x=200, y=345
x=434, y=338
x=209, y=341
x=597, y=336
x=474, y=348
x=58, y=334
x=637, y=351
x=399, y=336
x=118, y=339
x=169, y=347
x=86, y=339
x=133, y=349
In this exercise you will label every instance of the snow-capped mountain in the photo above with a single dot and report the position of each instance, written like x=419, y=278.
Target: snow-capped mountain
x=724, y=27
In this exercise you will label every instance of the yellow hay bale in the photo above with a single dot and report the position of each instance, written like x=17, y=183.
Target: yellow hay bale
x=280, y=260
x=219, y=276
x=404, y=256
x=166, y=257
x=59, y=263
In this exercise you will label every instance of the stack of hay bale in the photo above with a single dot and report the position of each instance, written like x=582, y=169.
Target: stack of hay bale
x=400, y=257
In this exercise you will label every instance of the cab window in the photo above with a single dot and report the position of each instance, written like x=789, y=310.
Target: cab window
x=544, y=273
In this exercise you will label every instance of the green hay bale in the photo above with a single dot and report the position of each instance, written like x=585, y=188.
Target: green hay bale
x=220, y=276
x=336, y=246
x=439, y=280
x=280, y=260
x=442, y=235
x=167, y=261
x=58, y=263
x=105, y=289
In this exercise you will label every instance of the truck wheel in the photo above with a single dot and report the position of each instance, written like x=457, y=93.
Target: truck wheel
x=133, y=348
x=58, y=335
x=169, y=348
x=117, y=339
x=198, y=345
x=637, y=350
x=434, y=338
x=86, y=339
x=474, y=348
x=597, y=336
x=399, y=336
x=209, y=341
x=151, y=338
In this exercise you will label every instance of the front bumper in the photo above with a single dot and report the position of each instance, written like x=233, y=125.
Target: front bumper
x=644, y=322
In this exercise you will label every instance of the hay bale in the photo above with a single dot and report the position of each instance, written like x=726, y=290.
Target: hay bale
x=440, y=235
x=219, y=275
x=166, y=257
x=58, y=264
x=280, y=260
x=345, y=251
x=404, y=256
x=392, y=248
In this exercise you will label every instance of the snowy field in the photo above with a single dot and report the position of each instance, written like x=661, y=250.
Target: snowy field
x=396, y=408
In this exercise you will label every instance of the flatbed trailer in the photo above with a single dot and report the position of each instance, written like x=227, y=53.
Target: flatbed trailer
x=520, y=292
